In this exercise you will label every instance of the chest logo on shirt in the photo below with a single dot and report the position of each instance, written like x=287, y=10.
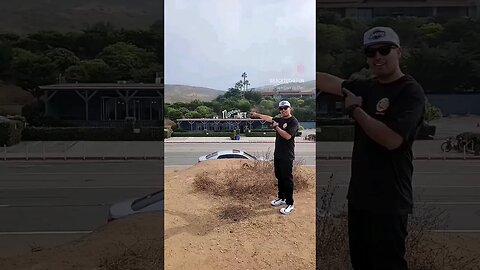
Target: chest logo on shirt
x=284, y=125
x=382, y=105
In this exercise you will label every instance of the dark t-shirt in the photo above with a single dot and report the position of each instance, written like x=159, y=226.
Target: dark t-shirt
x=381, y=179
x=285, y=149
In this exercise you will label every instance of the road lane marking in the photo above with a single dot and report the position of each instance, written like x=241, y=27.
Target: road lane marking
x=448, y=203
x=75, y=187
x=415, y=186
x=91, y=173
x=456, y=231
x=45, y=232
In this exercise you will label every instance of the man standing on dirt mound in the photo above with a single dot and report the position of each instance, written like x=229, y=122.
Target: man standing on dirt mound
x=286, y=127
x=388, y=110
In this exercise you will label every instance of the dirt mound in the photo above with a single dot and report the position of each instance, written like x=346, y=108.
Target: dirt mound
x=202, y=231
x=131, y=243
x=218, y=216
x=251, y=181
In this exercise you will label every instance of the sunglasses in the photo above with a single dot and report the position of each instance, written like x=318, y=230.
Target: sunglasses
x=283, y=108
x=384, y=50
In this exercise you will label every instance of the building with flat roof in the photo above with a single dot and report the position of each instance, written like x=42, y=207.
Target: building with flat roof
x=284, y=94
x=370, y=9
x=104, y=104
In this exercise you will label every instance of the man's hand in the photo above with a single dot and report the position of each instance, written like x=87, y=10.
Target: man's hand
x=351, y=100
x=274, y=124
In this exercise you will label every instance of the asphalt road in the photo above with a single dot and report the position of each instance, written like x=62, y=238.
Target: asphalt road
x=44, y=203
x=185, y=154
x=449, y=186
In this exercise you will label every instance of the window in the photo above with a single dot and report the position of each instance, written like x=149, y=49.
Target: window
x=211, y=155
x=247, y=154
x=150, y=199
x=227, y=156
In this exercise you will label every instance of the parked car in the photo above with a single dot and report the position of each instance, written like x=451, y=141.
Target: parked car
x=228, y=154
x=152, y=202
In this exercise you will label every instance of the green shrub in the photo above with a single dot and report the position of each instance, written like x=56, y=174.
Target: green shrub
x=471, y=136
x=335, y=133
x=10, y=132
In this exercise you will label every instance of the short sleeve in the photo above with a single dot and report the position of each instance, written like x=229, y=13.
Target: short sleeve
x=408, y=112
x=358, y=87
x=292, y=127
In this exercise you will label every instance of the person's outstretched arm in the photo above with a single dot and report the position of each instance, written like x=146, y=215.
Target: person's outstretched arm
x=264, y=117
x=328, y=83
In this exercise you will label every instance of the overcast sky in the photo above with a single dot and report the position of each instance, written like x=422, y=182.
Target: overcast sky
x=210, y=43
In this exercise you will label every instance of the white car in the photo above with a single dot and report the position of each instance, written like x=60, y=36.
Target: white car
x=228, y=154
x=152, y=202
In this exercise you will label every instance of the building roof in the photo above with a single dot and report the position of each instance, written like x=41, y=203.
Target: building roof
x=219, y=120
x=103, y=86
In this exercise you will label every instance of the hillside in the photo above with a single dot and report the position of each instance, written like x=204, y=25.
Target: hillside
x=308, y=85
x=29, y=16
x=186, y=93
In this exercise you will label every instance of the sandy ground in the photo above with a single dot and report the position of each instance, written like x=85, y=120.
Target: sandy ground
x=113, y=241
x=197, y=238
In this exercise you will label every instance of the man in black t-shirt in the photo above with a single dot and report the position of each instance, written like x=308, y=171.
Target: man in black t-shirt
x=388, y=111
x=286, y=127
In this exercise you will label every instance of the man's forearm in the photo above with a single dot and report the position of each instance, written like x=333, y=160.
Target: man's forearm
x=265, y=117
x=283, y=133
x=329, y=83
x=376, y=130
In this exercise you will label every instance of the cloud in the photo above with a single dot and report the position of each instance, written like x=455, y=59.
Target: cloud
x=210, y=43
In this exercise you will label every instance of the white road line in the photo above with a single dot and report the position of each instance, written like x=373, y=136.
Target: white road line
x=450, y=203
x=456, y=231
x=415, y=186
x=99, y=187
x=45, y=232
x=90, y=173
x=450, y=173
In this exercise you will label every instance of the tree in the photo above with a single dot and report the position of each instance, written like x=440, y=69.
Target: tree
x=244, y=105
x=90, y=71
x=205, y=111
x=62, y=58
x=432, y=112
x=125, y=58
x=146, y=74
x=233, y=93
x=193, y=114
x=6, y=56
x=31, y=71
x=174, y=114
x=253, y=96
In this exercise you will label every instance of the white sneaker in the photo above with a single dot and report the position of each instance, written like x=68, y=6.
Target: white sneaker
x=287, y=209
x=278, y=202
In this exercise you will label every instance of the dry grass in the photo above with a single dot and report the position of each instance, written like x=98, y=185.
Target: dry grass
x=424, y=251
x=235, y=213
x=142, y=255
x=253, y=182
